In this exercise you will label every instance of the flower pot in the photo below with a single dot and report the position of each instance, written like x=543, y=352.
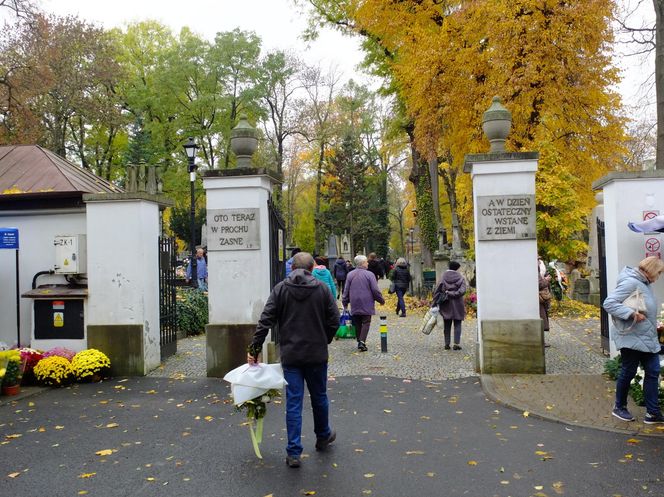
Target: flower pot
x=11, y=389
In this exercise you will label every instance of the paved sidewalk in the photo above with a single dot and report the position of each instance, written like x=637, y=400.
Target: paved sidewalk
x=573, y=391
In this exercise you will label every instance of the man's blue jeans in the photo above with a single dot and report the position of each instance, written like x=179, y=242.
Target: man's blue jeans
x=630, y=362
x=315, y=377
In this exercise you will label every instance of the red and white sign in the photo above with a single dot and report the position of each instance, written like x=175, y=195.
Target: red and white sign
x=650, y=215
x=58, y=305
x=653, y=247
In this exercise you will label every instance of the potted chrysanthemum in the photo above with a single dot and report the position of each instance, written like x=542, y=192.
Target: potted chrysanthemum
x=90, y=365
x=54, y=371
x=11, y=380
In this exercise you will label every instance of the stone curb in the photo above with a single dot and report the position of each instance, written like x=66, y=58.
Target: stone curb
x=24, y=394
x=490, y=390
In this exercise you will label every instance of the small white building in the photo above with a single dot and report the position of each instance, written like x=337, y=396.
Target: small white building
x=88, y=260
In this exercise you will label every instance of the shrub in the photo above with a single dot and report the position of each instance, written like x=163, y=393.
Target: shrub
x=192, y=311
x=89, y=363
x=55, y=371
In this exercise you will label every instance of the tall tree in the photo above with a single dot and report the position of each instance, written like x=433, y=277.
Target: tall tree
x=318, y=129
x=279, y=79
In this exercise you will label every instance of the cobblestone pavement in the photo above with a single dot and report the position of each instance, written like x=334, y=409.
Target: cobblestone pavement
x=574, y=349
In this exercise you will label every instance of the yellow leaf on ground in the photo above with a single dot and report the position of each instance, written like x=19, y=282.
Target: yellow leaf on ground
x=150, y=478
x=472, y=463
x=151, y=391
x=414, y=452
x=431, y=474
x=87, y=475
x=540, y=453
x=526, y=414
x=112, y=425
x=41, y=429
x=13, y=475
x=105, y=452
x=15, y=435
x=369, y=475
x=309, y=492
x=633, y=441
x=208, y=418
x=59, y=427
x=387, y=411
x=82, y=492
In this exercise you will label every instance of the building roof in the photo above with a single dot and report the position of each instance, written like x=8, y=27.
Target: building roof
x=33, y=170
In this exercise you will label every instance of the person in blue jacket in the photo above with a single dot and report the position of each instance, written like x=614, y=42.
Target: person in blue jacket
x=635, y=335
x=321, y=272
x=289, y=262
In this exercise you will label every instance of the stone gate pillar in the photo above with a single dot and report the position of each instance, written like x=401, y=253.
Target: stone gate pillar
x=630, y=197
x=238, y=238
x=510, y=334
x=123, y=232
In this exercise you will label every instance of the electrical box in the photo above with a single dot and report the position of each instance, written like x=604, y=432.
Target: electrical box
x=70, y=255
x=59, y=319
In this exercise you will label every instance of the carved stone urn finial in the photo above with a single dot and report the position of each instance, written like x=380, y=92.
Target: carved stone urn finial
x=243, y=141
x=496, y=123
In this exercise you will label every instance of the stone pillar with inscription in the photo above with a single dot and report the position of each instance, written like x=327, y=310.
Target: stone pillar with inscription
x=510, y=332
x=238, y=242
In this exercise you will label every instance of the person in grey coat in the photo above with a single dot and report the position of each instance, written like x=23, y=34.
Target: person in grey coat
x=448, y=296
x=635, y=335
x=361, y=292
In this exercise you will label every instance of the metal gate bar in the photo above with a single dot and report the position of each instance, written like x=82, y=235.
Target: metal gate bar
x=167, y=310
x=604, y=316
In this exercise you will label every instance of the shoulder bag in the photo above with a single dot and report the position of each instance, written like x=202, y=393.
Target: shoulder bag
x=635, y=301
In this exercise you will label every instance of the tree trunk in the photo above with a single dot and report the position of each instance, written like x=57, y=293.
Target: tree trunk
x=659, y=80
x=435, y=197
x=420, y=168
x=449, y=180
x=319, y=182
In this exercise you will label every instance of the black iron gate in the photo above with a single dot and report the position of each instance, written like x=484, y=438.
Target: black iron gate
x=604, y=316
x=277, y=250
x=167, y=312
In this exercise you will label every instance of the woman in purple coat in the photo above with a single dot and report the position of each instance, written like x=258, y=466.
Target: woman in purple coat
x=448, y=297
x=361, y=292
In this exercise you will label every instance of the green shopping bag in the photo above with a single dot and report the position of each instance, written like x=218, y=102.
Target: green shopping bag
x=346, y=327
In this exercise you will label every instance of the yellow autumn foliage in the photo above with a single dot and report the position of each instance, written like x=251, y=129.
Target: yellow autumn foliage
x=549, y=61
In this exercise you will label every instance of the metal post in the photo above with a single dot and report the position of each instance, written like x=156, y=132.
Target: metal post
x=192, y=262
x=18, y=307
x=190, y=148
x=383, y=333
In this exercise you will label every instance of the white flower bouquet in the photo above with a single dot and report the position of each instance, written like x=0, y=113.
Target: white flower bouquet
x=252, y=387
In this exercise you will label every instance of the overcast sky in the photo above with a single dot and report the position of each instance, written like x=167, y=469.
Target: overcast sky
x=280, y=24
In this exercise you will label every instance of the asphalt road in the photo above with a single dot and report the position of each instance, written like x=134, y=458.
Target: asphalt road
x=395, y=438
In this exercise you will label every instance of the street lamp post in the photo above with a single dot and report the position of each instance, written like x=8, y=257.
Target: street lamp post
x=190, y=148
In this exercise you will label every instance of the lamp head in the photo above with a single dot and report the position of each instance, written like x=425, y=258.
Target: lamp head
x=190, y=148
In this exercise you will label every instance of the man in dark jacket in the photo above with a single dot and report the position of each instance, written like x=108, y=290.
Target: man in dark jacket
x=308, y=318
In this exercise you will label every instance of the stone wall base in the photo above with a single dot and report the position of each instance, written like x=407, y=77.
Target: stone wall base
x=123, y=344
x=226, y=347
x=513, y=346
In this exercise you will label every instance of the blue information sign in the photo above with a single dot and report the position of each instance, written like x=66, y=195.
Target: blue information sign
x=8, y=238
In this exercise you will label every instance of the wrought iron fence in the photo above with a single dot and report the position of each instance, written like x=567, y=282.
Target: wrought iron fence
x=167, y=309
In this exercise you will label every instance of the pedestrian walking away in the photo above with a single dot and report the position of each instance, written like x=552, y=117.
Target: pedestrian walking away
x=340, y=271
x=361, y=292
x=401, y=277
x=289, y=262
x=308, y=318
x=635, y=335
x=448, y=296
x=321, y=272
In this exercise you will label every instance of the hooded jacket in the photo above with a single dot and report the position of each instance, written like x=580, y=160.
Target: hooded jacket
x=323, y=274
x=401, y=277
x=643, y=335
x=454, y=285
x=307, y=315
